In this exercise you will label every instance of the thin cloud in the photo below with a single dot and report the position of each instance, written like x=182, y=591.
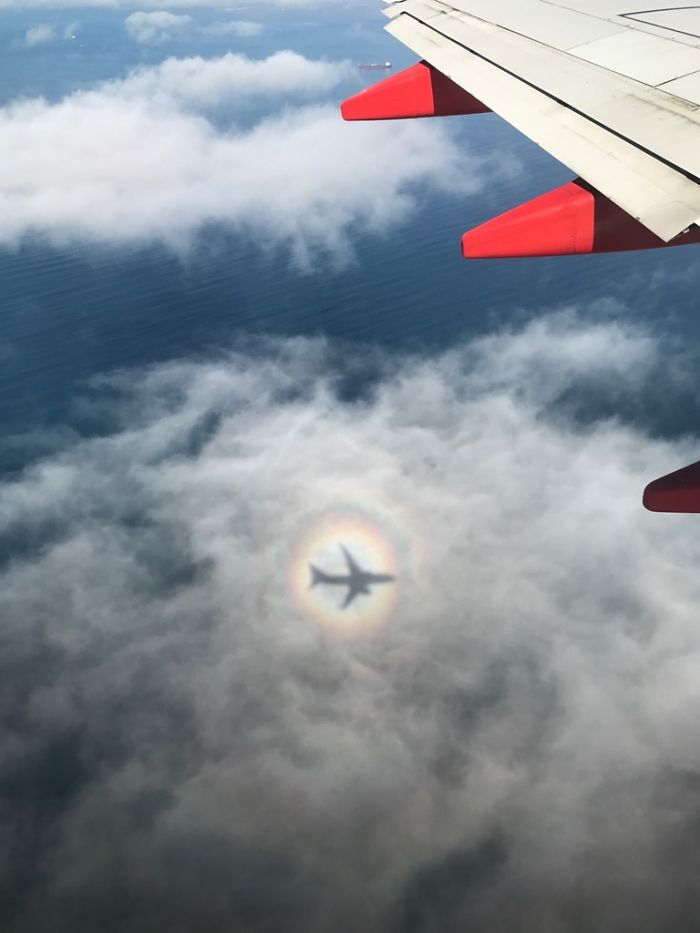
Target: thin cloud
x=156, y=28
x=39, y=35
x=240, y=28
x=133, y=160
x=176, y=729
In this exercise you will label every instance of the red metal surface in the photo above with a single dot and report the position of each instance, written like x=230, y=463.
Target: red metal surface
x=677, y=492
x=570, y=220
x=419, y=91
x=557, y=223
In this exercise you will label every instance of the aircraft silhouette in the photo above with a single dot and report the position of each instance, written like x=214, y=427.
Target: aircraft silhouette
x=357, y=580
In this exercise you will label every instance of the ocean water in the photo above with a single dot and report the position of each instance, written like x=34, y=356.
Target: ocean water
x=69, y=314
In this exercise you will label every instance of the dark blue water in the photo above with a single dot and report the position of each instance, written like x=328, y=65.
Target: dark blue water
x=66, y=315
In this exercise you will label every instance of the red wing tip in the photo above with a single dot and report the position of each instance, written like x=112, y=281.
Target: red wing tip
x=475, y=246
x=418, y=91
x=683, y=502
x=349, y=110
x=677, y=492
x=467, y=250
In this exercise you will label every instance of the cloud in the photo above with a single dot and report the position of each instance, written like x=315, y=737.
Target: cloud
x=39, y=35
x=240, y=28
x=199, y=83
x=156, y=28
x=519, y=739
x=132, y=161
x=46, y=33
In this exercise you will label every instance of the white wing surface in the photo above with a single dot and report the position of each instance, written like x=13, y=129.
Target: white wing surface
x=610, y=91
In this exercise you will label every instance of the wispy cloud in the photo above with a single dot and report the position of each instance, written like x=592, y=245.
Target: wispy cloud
x=175, y=727
x=39, y=35
x=132, y=160
x=157, y=27
x=240, y=28
x=46, y=33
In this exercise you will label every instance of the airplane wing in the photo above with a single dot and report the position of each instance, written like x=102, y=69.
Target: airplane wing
x=612, y=92
x=351, y=597
x=353, y=566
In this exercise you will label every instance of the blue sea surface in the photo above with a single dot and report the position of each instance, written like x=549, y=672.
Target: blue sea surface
x=69, y=314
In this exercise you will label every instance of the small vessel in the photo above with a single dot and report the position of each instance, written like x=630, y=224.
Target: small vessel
x=375, y=66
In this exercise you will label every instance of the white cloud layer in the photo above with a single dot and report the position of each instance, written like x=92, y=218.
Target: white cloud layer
x=200, y=83
x=520, y=740
x=131, y=160
x=157, y=27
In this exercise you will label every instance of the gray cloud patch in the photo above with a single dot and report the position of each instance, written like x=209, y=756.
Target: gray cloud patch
x=516, y=747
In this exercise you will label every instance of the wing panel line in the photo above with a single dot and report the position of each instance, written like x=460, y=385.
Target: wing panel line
x=635, y=18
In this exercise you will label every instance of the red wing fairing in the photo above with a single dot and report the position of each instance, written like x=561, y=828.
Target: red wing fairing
x=677, y=492
x=568, y=221
x=419, y=91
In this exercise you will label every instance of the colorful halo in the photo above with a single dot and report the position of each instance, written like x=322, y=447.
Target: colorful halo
x=371, y=544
